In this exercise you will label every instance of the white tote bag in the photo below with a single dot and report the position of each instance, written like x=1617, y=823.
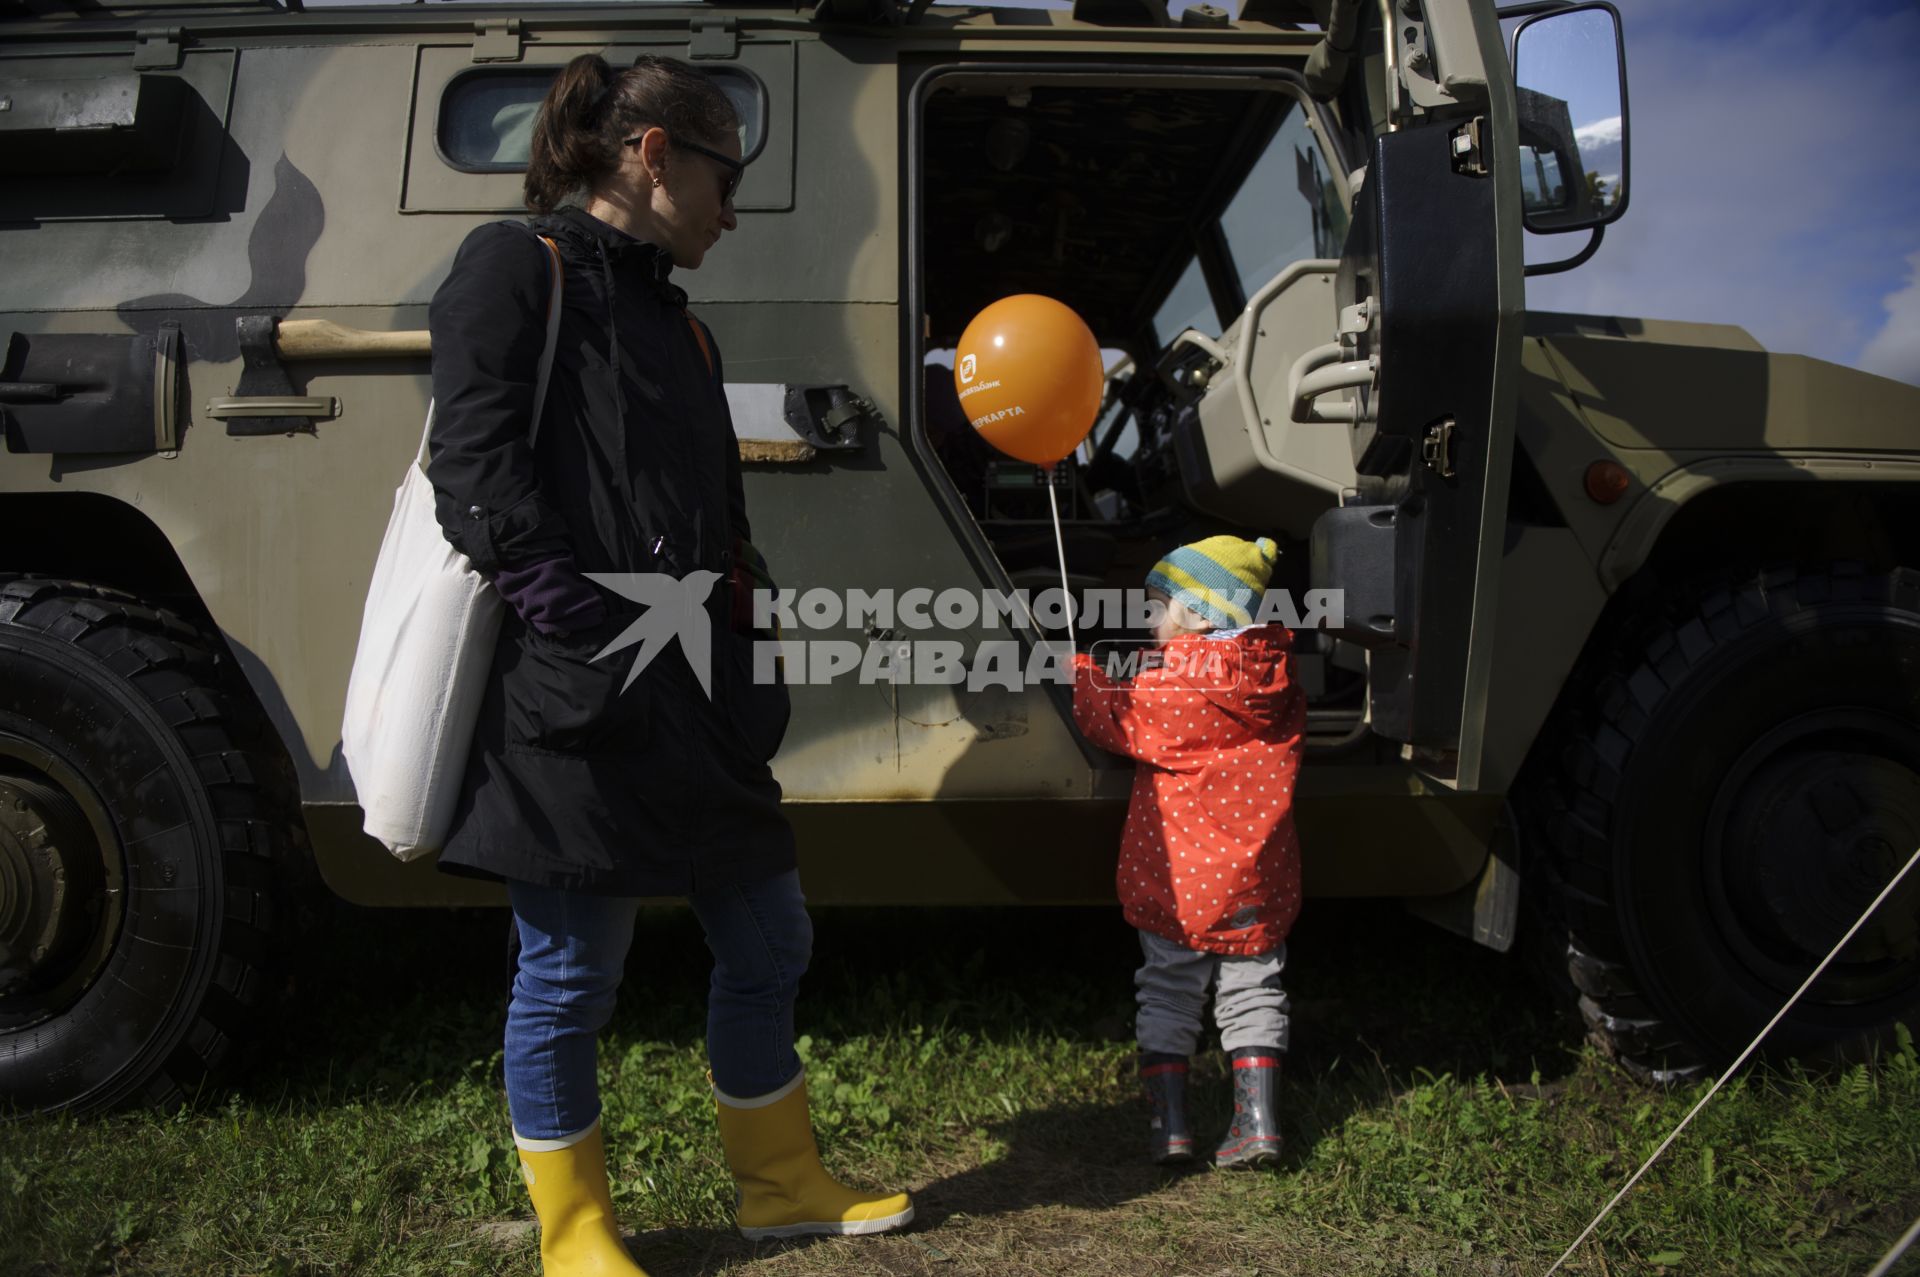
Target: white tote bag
x=426, y=643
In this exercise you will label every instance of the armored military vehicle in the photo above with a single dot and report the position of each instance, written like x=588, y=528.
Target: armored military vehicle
x=1632, y=615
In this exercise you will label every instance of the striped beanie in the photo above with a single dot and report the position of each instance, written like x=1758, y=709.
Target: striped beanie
x=1220, y=578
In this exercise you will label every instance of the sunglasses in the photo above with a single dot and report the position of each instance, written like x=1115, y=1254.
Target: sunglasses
x=732, y=170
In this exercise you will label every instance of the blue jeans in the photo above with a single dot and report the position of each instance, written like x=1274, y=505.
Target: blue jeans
x=573, y=951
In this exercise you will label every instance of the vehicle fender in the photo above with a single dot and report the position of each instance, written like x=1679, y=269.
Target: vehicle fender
x=103, y=539
x=1639, y=534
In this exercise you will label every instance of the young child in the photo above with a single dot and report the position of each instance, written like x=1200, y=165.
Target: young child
x=1209, y=863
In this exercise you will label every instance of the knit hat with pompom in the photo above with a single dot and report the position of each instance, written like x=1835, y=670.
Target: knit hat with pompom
x=1220, y=578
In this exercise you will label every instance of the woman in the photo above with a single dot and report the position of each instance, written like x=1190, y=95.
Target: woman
x=585, y=793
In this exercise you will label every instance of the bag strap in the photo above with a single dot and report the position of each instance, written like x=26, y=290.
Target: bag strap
x=546, y=359
x=700, y=337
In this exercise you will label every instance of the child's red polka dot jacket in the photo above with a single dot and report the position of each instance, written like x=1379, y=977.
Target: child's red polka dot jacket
x=1209, y=857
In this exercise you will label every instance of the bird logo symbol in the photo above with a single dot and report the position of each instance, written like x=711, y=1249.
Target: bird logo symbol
x=676, y=608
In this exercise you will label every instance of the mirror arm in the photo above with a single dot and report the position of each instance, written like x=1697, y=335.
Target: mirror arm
x=1579, y=258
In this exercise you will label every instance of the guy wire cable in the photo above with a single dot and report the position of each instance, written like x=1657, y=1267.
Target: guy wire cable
x=1888, y=1260
x=1735, y=1066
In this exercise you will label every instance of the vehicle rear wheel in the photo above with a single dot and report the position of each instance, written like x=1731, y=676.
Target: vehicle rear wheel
x=137, y=854
x=1738, y=786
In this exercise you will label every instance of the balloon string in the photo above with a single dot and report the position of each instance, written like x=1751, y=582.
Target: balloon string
x=1060, y=548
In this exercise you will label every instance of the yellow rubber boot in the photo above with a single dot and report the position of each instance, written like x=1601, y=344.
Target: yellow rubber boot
x=567, y=1180
x=784, y=1191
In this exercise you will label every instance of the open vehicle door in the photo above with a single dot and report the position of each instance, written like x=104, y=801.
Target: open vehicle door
x=1430, y=296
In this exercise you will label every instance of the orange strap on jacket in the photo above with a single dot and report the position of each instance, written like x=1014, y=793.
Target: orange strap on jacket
x=700, y=335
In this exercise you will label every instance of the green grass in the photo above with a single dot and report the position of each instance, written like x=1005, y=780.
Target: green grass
x=1439, y=1119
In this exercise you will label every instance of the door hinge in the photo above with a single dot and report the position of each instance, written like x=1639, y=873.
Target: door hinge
x=713, y=38
x=831, y=418
x=1437, y=448
x=496, y=40
x=1355, y=322
x=157, y=48
x=1468, y=148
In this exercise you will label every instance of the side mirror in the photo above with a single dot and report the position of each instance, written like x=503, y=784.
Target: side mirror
x=1570, y=86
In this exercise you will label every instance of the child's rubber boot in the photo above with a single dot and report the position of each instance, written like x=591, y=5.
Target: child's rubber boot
x=784, y=1191
x=1253, y=1136
x=1164, y=1076
x=567, y=1180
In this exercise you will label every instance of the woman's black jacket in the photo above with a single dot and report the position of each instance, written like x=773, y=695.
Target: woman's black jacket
x=576, y=779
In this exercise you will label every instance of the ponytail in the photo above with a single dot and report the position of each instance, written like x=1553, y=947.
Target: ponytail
x=591, y=109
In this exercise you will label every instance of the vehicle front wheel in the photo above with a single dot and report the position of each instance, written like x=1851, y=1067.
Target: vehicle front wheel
x=137, y=853
x=1741, y=780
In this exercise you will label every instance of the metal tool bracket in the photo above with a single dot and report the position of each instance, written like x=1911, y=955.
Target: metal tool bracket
x=264, y=377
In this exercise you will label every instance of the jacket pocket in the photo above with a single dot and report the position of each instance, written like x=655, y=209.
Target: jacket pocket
x=757, y=712
x=559, y=700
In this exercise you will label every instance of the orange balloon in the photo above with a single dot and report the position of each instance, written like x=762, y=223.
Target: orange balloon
x=1030, y=379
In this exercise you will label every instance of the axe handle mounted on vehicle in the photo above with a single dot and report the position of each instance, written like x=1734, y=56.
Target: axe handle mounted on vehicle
x=264, y=403
x=324, y=339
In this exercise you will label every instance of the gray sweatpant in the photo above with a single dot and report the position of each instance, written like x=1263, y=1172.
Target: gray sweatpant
x=1248, y=1003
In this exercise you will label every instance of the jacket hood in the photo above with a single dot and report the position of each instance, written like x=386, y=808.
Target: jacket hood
x=1245, y=674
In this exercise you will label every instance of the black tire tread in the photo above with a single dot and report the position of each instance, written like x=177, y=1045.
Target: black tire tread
x=1643, y=664
x=185, y=677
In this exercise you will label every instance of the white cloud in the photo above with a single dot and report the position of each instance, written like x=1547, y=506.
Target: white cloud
x=1600, y=133
x=1894, y=351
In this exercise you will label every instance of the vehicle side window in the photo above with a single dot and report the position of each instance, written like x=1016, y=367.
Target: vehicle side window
x=472, y=126
x=1287, y=210
x=1189, y=305
x=486, y=116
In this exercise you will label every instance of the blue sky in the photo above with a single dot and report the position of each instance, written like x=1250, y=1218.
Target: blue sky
x=1773, y=183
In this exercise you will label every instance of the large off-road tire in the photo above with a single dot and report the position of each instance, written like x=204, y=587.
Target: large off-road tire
x=1736, y=782
x=138, y=849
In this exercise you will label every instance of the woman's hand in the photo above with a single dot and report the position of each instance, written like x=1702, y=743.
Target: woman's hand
x=552, y=596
